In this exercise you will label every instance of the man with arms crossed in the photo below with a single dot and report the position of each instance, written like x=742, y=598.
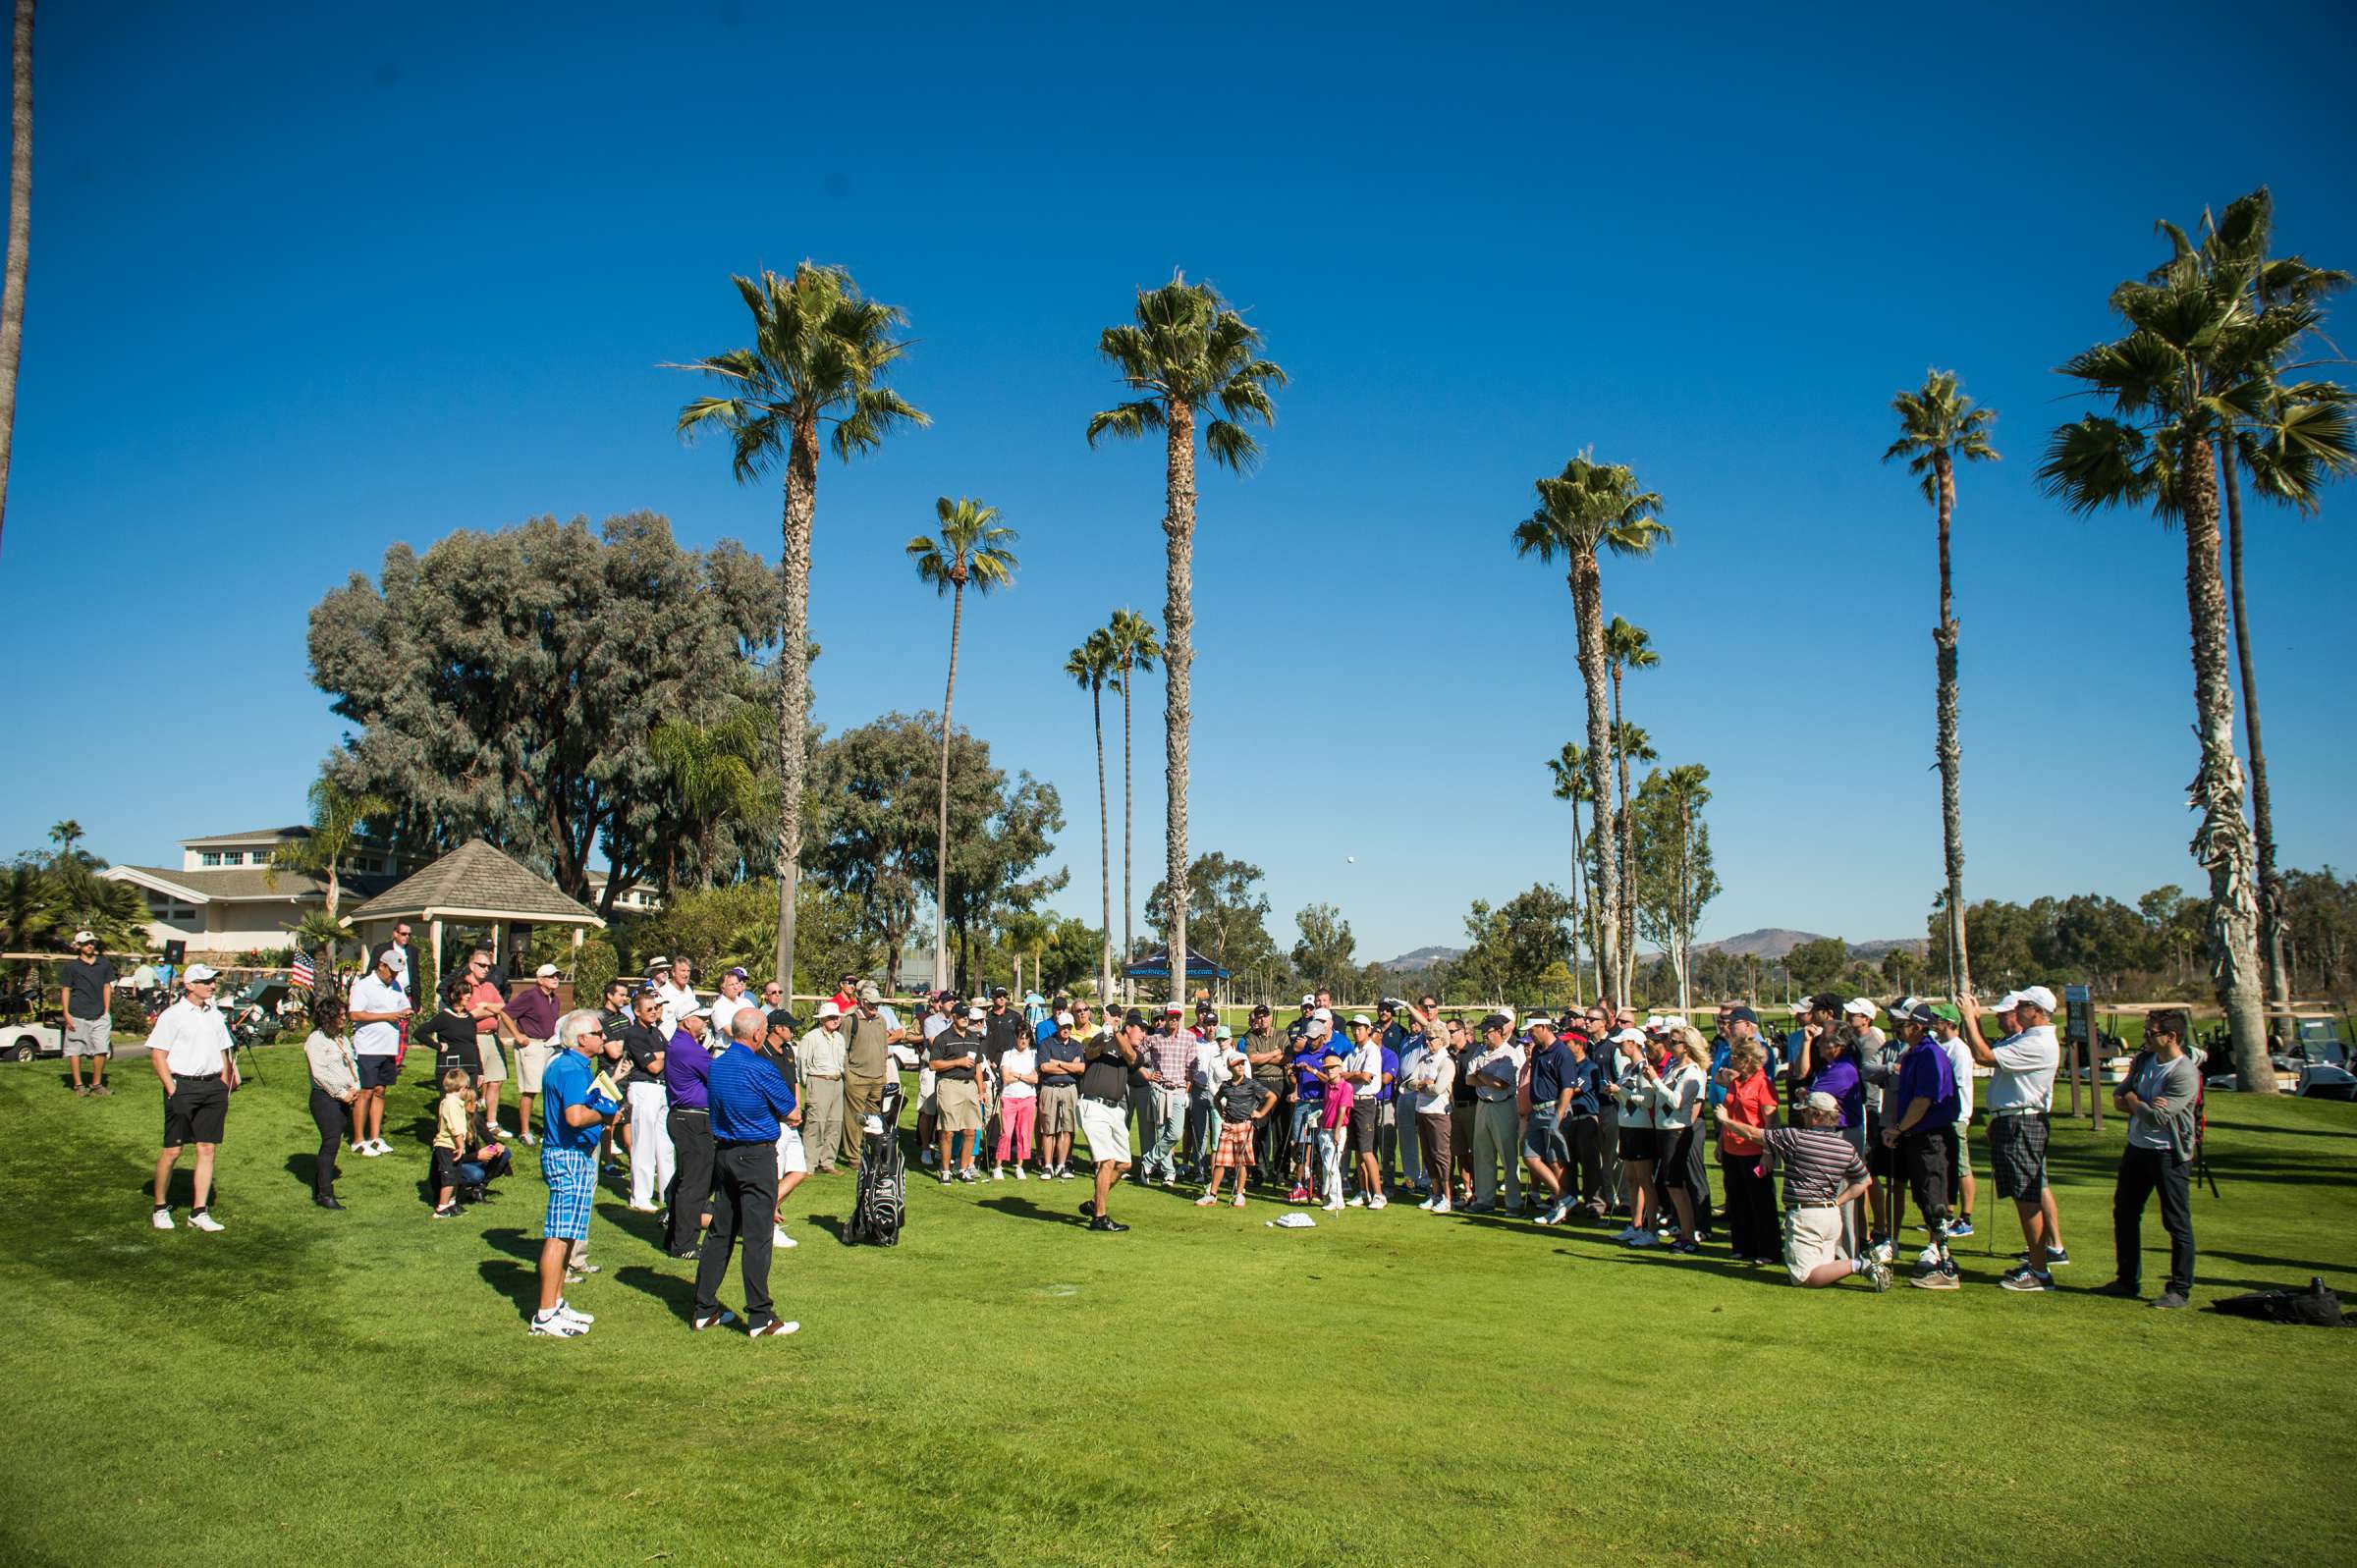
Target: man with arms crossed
x=1060, y=1067
x=534, y=1016
x=818, y=1060
x=88, y=1001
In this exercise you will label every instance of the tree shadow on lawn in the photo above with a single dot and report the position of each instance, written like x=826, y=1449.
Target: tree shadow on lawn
x=673, y=1290
x=1025, y=1208
x=2218, y=1125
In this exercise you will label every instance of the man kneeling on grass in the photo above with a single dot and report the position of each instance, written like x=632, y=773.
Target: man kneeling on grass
x=1823, y=1176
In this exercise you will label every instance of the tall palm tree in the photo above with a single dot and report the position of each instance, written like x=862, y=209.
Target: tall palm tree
x=1590, y=507
x=1092, y=666
x=20, y=241
x=1688, y=786
x=2176, y=382
x=2297, y=436
x=716, y=770
x=1631, y=744
x=1627, y=648
x=338, y=816
x=1568, y=770
x=1937, y=426
x=1186, y=354
x=1134, y=649
x=820, y=354
x=974, y=548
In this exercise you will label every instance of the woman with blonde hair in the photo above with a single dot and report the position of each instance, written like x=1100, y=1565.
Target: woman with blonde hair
x=1675, y=1091
x=1751, y=1226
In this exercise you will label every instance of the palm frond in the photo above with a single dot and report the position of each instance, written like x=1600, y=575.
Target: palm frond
x=1125, y=420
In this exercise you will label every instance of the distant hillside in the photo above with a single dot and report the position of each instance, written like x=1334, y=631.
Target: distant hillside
x=1772, y=942
x=1407, y=963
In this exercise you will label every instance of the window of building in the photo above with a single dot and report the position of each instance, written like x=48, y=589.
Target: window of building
x=210, y=857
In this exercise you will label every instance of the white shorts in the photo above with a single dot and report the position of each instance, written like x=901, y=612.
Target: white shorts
x=495, y=1066
x=791, y=1154
x=1107, y=1130
x=1812, y=1238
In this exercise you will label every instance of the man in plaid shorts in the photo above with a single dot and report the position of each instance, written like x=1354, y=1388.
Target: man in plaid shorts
x=575, y=1108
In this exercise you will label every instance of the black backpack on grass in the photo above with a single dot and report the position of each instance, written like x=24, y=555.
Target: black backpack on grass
x=2315, y=1306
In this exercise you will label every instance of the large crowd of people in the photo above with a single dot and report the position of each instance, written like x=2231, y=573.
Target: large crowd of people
x=712, y=1108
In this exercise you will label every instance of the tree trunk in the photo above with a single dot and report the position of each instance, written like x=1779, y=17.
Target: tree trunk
x=794, y=676
x=1128, y=833
x=1684, y=919
x=1950, y=753
x=1096, y=700
x=2223, y=841
x=1177, y=664
x=19, y=238
x=1587, y=605
x=2262, y=816
x=941, y=834
x=1579, y=898
x=1627, y=840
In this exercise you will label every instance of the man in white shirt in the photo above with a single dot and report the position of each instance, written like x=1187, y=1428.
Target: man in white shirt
x=190, y=1049
x=727, y=1005
x=1497, y=1141
x=679, y=997
x=375, y=1010
x=2021, y=1096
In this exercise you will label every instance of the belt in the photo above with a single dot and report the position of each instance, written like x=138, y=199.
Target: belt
x=691, y=1110
x=1100, y=1100
x=197, y=1077
x=1797, y=1208
x=2018, y=1110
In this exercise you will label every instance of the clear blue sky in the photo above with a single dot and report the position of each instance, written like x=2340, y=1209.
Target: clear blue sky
x=308, y=280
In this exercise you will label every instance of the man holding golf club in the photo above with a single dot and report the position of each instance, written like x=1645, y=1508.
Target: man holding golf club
x=2020, y=1095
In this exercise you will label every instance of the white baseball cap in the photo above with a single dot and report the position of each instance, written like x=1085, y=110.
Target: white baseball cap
x=547, y=971
x=1064, y=1020
x=1860, y=1006
x=85, y=939
x=1223, y=1032
x=1310, y=1000
x=1671, y=1020
x=2006, y=1002
x=1627, y=1037
x=1358, y=1018
x=2037, y=996
x=830, y=1008
x=976, y=1012
x=202, y=971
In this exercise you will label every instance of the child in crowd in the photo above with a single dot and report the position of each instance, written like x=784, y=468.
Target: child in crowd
x=463, y=1157
x=1334, y=1136
x=1018, y=1108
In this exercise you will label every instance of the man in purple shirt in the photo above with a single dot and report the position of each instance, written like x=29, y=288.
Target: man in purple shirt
x=687, y=1074
x=535, y=1015
x=1928, y=1106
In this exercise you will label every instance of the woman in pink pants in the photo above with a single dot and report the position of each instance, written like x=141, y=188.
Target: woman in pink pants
x=1018, y=1108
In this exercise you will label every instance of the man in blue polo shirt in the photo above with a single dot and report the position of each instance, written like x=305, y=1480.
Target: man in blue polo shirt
x=1928, y=1106
x=1311, y=1060
x=574, y=1109
x=749, y=1102
x=1555, y=1080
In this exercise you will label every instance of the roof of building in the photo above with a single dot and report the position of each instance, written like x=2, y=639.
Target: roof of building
x=251, y=885
x=263, y=835
x=475, y=880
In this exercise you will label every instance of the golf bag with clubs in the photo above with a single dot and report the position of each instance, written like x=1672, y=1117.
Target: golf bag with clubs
x=878, y=1200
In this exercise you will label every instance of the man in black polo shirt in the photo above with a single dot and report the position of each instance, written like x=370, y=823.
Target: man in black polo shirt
x=1104, y=1113
x=87, y=1000
x=953, y=1055
x=644, y=1042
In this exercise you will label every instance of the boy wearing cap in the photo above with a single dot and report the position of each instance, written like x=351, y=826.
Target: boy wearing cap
x=1824, y=1175
x=818, y=1068
x=2021, y=1094
x=86, y=997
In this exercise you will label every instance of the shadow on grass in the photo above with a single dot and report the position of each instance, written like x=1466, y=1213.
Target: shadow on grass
x=1025, y=1208
x=674, y=1292
x=519, y=1284
x=623, y=1217
x=2217, y=1125
x=302, y=1167
x=834, y=1225
x=515, y=1244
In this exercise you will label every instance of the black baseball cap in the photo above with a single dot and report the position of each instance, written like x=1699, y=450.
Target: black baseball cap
x=1261, y=1011
x=998, y=993
x=1742, y=1016
x=1133, y=1019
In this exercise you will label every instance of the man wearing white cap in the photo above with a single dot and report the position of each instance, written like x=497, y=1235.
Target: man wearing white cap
x=189, y=1048
x=534, y=1016
x=1061, y=1066
x=86, y=997
x=2021, y=1095
x=818, y=1063
x=376, y=1009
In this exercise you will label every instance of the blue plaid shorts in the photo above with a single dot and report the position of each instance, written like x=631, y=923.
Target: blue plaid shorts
x=572, y=1184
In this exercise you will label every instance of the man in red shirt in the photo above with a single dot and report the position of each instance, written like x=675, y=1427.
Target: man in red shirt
x=489, y=1006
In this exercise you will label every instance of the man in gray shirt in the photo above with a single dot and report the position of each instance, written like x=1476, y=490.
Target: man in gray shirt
x=2160, y=1098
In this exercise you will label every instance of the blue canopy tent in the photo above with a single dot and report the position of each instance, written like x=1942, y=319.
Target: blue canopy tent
x=1157, y=967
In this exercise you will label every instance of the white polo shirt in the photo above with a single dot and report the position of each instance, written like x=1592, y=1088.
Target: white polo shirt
x=195, y=1040
x=2026, y=1064
x=371, y=995
x=725, y=1008
x=678, y=1003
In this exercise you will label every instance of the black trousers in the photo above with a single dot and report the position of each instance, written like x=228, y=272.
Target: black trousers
x=1752, y=1229
x=745, y=1204
x=1586, y=1165
x=333, y=1118
x=690, y=1196
x=1276, y=1137
x=2142, y=1172
x=1923, y=1160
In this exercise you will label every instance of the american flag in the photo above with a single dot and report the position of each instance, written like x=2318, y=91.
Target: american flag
x=301, y=971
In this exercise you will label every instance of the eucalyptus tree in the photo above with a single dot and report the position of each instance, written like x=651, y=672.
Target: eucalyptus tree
x=1938, y=427
x=1092, y=666
x=2179, y=381
x=1588, y=508
x=1134, y=649
x=1188, y=355
x=974, y=549
x=816, y=370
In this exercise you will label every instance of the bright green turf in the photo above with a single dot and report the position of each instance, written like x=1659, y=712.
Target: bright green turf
x=1006, y=1388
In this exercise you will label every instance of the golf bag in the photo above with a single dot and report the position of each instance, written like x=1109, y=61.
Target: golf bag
x=878, y=1200
x=2315, y=1306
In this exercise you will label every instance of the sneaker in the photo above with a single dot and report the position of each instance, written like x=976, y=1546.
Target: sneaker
x=1064, y=1172
x=447, y=1212
x=945, y=1178
x=1627, y=1233
x=1686, y=1249
x=2170, y=1300
x=1936, y=1280
x=1879, y=1276
x=717, y=1318
x=968, y=1174
x=1299, y=1194
x=1334, y=1207
x=1428, y=1203
x=382, y=1146
x=1020, y=1175
x=1359, y=1200
x=556, y=1326
x=1238, y=1203
x=2056, y=1258
x=202, y=1219
x=925, y=1158
x=366, y=1151
x=1959, y=1227
x=1479, y=1208
x=566, y=1309
x=1206, y=1201
x=771, y=1329
x=1559, y=1213
x=1881, y=1252
x=999, y=1172
x=161, y=1219
x=644, y=1209
x=2120, y=1288
x=574, y=1276
x=81, y=1090
x=1643, y=1238
x=779, y=1238
x=1106, y=1224
x=1166, y=1179
x=530, y=1142
x=101, y=1090
x=1379, y=1200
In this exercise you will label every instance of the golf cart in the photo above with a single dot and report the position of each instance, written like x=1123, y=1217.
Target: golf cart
x=23, y=1042
x=2311, y=1048
x=255, y=1016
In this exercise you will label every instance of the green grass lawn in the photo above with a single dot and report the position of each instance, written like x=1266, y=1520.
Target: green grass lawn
x=1006, y=1388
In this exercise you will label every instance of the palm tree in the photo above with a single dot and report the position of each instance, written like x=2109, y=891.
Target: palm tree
x=2176, y=382
x=20, y=240
x=338, y=816
x=2297, y=436
x=1626, y=648
x=972, y=549
x=1568, y=770
x=1689, y=787
x=1186, y=354
x=716, y=772
x=1134, y=648
x=1092, y=666
x=1937, y=426
x=66, y=834
x=821, y=352
x=1589, y=507
x=1631, y=744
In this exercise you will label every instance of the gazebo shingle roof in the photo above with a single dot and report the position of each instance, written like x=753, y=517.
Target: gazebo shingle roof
x=475, y=879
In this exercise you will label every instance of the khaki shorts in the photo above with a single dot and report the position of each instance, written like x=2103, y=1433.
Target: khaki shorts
x=1812, y=1238
x=1059, y=1109
x=959, y=1105
x=1107, y=1129
x=495, y=1066
x=531, y=1061
x=90, y=1037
